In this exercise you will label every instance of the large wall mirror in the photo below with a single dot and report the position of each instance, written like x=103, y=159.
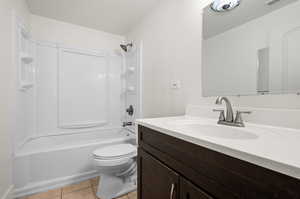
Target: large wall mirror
x=253, y=49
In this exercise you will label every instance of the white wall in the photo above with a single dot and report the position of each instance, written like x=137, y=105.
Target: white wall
x=172, y=36
x=8, y=88
x=46, y=29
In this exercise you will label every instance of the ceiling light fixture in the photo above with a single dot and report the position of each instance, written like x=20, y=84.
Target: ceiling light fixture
x=271, y=2
x=224, y=5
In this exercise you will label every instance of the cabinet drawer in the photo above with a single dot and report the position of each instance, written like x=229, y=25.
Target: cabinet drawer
x=190, y=191
x=218, y=174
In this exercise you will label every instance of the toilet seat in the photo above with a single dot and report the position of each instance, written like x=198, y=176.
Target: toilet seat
x=116, y=153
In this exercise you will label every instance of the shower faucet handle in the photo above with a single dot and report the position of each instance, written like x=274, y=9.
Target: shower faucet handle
x=130, y=110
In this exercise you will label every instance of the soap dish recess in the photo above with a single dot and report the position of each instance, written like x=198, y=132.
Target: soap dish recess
x=26, y=58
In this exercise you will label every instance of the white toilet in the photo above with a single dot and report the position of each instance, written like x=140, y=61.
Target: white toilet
x=117, y=167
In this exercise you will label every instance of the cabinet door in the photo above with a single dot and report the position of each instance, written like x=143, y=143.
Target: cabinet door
x=155, y=180
x=190, y=191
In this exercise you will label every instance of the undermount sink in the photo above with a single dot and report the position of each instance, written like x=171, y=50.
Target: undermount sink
x=221, y=132
x=214, y=130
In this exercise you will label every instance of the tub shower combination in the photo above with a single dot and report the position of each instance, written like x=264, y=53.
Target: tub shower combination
x=74, y=110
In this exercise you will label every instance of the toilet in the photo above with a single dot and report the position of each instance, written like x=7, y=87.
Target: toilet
x=118, y=170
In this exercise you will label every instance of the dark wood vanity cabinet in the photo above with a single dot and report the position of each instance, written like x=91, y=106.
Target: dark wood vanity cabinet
x=170, y=168
x=157, y=179
x=190, y=191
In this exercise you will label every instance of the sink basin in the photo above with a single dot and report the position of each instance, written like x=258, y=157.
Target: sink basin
x=217, y=131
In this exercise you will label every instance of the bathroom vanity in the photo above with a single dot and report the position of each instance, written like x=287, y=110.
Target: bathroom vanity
x=175, y=164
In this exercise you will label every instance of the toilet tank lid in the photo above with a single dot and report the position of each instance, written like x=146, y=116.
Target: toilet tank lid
x=118, y=150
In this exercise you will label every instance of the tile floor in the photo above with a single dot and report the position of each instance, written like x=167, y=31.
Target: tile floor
x=83, y=190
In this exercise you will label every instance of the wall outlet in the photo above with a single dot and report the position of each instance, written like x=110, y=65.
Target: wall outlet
x=176, y=84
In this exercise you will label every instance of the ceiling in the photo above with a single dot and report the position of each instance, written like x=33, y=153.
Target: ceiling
x=216, y=23
x=113, y=16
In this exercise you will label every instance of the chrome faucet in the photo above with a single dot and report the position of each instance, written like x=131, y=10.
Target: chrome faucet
x=127, y=124
x=229, y=111
x=229, y=118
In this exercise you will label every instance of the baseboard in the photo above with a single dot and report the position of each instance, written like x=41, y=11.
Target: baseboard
x=33, y=188
x=9, y=193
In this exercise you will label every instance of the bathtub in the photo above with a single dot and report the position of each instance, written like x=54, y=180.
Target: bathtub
x=47, y=162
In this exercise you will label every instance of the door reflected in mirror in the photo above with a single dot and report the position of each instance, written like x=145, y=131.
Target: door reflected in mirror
x=252, y=49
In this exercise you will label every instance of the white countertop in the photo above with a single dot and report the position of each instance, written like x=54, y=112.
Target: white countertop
x=275, y=148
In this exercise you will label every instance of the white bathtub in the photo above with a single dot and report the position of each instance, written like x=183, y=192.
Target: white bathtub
x=48, y=162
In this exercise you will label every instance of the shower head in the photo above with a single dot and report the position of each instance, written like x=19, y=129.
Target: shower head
x=126, y=47
x=224, y=5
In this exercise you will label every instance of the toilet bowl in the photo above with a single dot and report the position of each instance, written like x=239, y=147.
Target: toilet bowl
x=117, y=167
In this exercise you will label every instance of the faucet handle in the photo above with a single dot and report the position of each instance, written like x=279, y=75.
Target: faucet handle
x=239, y=118
x=218, y=110
x=245, y=112
x=222, y=116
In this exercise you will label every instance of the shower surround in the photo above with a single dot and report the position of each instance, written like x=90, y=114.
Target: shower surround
x=75, y=105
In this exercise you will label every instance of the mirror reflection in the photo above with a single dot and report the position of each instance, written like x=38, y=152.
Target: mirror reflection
x=251, y=48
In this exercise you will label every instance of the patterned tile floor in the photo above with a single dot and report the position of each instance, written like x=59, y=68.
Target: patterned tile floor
x=83, y=190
